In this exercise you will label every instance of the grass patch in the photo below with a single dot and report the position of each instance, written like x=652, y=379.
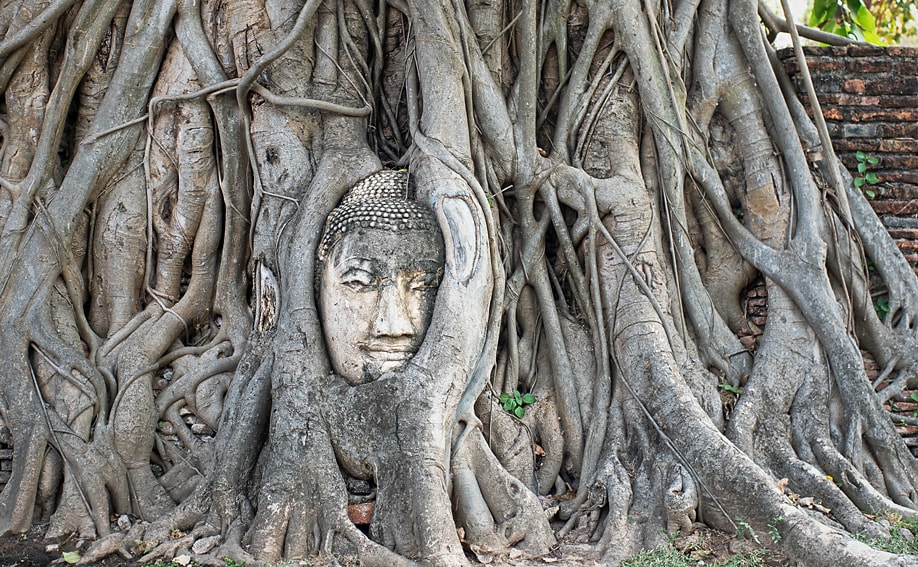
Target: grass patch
x=899, y=541
x=669, y=556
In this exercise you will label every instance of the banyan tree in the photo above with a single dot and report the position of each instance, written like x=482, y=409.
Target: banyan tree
x=478, y=266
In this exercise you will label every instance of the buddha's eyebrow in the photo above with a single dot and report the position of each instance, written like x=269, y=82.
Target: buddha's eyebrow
x=424, y=266
x=357, y=262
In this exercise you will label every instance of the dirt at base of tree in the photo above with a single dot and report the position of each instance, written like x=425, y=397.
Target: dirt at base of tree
x=703, y=545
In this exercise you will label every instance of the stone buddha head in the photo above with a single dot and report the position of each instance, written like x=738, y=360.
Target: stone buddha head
x=380, y=262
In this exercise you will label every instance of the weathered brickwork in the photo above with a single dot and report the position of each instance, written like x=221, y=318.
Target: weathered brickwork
x=869, y=97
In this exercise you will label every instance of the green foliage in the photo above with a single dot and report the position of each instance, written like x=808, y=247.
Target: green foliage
x=729, y=388
x=881, y=306
x=754, y=558
x=669, y=556
x=515, y=403
x=230, y=563
x=744, y=531
x=773, y=531
x=896, y=19
x=847, y=18
x=897, y=542
x=665, y=556
x=863, y=176
x=881, y=22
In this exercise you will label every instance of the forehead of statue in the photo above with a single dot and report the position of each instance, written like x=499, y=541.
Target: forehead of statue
x=388, y=250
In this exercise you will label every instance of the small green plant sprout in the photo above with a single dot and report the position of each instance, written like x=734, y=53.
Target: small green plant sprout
x=744, y=530
x=863, y=176
x=230, y=563
x=881, y=306
x=773, y=531
x=515, y=403
x=730, y=388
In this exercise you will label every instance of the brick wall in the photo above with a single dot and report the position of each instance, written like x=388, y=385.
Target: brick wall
x=869, y=97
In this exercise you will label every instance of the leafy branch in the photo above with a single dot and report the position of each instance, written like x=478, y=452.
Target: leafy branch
x=847, y=18
x=863, y=176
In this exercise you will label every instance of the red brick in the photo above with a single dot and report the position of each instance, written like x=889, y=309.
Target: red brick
x=833, y=114
x=881, y=101
x=898, y=191
x=907, y=67
x=899, y=51
x=897, y=130
x=863, y=130
x=901, y=145
x=898, y=208
x=854, y=86
x=893, y=85
x=901, y=115
x=858, y=100
x=854, y=144
x=896, y=161
x=906, y=177
x=896, y=101
x=865, y=50
x=904, y=233
x=822, y=64
x=869, y=65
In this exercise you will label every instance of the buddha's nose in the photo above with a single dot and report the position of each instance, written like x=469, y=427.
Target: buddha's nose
x=392, y=313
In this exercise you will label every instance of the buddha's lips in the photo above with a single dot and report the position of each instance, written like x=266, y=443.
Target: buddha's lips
x=390, y=352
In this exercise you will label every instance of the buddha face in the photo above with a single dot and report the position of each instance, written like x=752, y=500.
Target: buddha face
x=377, y=292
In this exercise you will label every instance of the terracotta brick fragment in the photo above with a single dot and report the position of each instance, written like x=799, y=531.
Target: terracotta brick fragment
x=854, y=86
x=361, y=514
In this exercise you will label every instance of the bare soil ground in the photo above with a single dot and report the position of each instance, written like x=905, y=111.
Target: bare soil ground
x=704, y=547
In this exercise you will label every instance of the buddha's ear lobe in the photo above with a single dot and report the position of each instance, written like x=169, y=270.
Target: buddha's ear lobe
x=461, y=237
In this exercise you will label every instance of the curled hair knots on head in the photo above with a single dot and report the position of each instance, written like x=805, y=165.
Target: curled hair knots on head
x=383, y=200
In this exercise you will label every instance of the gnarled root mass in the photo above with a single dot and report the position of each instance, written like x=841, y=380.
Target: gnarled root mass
x=609, y=177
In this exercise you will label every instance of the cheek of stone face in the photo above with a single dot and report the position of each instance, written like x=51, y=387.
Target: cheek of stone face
x=346, y=318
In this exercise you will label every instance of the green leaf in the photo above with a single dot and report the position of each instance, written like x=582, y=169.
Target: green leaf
x=730, y=388
x=882, y=305
x=870, y=194
x=71, y=556
x=858, y=181
x=860, y=156
x=914, y=397
x=518, y=398
x=864, y=19
x=872, y=178
x=873, y=160
x=873, y=37
x=861, y=167
x=818, y=15
x=519, y=412
x=529, y=399
x=504, y=397
x=509, y=405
